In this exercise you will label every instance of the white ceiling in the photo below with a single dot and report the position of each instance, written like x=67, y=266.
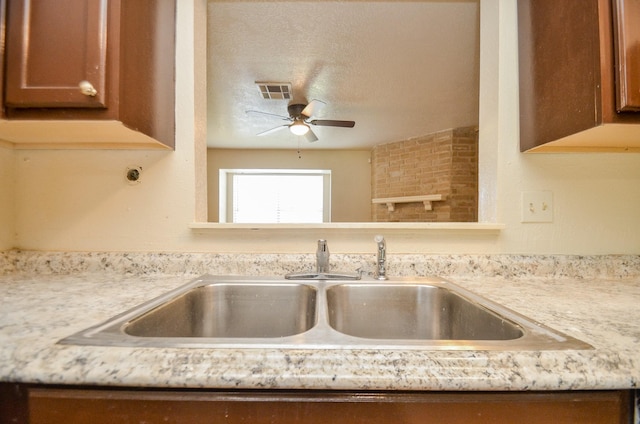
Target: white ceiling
x=400, y=69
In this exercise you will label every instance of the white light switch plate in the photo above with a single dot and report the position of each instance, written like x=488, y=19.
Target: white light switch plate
x=537, y=206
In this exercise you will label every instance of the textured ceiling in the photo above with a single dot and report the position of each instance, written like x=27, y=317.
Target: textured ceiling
x=399, y=69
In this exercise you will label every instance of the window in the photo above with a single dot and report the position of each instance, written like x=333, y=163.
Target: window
x=259, y=196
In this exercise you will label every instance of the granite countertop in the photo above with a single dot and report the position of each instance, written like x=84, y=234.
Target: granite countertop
x=39, y=308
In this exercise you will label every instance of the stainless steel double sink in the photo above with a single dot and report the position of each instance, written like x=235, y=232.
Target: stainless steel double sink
x=411, y=313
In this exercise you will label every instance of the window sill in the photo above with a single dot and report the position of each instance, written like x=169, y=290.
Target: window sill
x=400, y=226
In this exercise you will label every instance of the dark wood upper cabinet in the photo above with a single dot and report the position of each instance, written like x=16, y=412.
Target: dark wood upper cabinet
x=573, y=95
x=89, y=74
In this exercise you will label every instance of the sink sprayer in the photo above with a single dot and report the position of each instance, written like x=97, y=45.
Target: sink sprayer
x=381, y=262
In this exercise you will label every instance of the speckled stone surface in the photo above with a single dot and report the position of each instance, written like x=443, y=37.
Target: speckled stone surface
x=550, y=266
x=48, y=296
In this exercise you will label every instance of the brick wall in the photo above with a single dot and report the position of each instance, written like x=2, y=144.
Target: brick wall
x=444, y=163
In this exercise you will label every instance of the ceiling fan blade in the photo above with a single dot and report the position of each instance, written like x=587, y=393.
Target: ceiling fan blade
x=249, y=112
x=272, y=130
x=313, y=107
x=310, y=136
x=332, y=123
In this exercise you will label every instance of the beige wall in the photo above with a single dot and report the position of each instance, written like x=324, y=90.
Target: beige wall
x=7, y=200
x=79, y=200
x=350, y=175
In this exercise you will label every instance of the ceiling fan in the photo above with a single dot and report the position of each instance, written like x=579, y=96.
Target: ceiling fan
x=300, y=118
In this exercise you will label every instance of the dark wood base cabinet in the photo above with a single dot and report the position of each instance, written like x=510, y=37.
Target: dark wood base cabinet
x=51, y=405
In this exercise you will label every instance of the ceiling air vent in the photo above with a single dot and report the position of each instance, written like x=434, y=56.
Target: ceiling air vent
x=275, y=90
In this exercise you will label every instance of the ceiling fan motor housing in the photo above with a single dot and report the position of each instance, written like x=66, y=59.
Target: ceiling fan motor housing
x=295, y=111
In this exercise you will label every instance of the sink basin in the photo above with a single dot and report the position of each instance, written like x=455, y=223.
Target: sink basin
x=231, y=310
x=401, y=313
x=414, y=312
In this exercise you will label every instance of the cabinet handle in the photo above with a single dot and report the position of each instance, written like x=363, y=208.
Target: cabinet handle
x=87, y=89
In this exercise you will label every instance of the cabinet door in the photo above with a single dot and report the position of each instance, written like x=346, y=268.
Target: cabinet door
x=627, y=19
x=559, y=74
x=53, y=46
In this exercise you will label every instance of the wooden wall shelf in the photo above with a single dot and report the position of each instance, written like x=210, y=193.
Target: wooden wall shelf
x=426, y=199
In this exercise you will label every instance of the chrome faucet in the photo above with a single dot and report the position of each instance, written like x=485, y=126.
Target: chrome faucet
x=322, y=257
x=322, y=268
x=381, y=263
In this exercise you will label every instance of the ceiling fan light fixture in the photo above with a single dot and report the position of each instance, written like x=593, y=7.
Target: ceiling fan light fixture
x=299, y=127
